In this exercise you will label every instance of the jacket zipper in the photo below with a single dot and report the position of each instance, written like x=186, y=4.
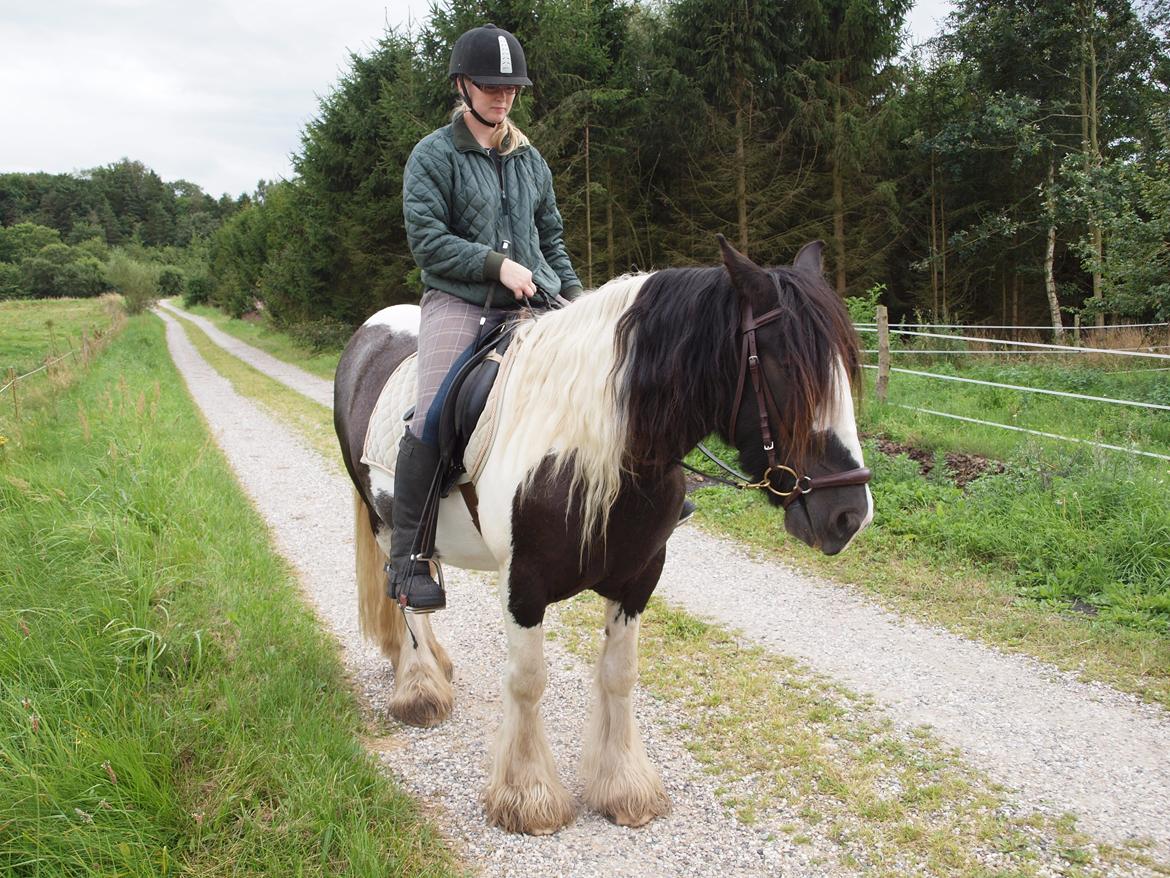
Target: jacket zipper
x=506, y=243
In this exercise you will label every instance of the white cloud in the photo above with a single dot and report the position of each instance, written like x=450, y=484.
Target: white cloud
x=215, y=92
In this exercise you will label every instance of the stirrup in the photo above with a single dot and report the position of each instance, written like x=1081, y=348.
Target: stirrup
x=400, y=592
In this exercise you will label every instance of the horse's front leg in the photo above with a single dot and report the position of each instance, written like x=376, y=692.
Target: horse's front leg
x=620, y=781
x=524, y=793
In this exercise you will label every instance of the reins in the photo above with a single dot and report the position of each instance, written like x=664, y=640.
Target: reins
x=749, y=365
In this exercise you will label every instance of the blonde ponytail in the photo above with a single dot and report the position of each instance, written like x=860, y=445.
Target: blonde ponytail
x=506, y=136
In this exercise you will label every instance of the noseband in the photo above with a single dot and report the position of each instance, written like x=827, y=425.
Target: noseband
x=749, y=364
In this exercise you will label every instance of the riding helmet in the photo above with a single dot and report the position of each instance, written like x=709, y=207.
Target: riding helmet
x=489, y=55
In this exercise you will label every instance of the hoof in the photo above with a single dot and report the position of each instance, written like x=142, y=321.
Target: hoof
x=534, y=810
x=422, y=706
x=632, y=805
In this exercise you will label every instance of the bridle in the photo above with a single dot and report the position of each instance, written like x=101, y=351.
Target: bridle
x=749, y=365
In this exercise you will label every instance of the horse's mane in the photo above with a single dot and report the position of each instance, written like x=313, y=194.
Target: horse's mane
x=677, y=354
x=568, y=399
x=638, y=371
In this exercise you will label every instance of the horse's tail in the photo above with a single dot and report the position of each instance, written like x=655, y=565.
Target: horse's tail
x=379, y=619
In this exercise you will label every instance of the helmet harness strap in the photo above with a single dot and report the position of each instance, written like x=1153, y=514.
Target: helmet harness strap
x=471, y=106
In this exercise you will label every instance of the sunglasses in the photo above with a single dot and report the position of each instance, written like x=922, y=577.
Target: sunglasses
x=498, y=89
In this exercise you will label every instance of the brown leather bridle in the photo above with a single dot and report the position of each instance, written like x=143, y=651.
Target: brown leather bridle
x=749, y=364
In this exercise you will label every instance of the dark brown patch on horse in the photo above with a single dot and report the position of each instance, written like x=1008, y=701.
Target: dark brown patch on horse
x=623, y=565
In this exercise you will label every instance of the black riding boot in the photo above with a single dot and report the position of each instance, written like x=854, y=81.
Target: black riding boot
x=413, y=475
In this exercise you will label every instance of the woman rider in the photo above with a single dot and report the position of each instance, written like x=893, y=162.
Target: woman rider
x=483, y=225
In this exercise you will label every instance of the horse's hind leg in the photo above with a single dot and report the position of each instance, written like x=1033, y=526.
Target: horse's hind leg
x=620, y=781
x=422, y=675
x=524, y=793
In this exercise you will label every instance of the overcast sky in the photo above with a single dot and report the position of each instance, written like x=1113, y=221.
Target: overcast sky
x=214, y=92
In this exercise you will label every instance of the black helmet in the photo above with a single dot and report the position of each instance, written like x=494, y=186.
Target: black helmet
x=489, y=55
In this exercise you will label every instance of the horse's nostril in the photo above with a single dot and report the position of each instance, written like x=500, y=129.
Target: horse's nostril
x=847, y=523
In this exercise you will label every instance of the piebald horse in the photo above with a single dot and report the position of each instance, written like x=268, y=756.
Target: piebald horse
x=583, y=488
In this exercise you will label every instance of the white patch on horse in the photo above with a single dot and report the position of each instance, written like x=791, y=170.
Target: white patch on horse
x=841, y=421
x=572, y=411
x=458, y=543
x=524, y=793
x=398, y=318
x=620, y=781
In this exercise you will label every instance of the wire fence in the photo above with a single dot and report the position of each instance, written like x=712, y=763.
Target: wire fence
x=90, y=343
x=884, y=369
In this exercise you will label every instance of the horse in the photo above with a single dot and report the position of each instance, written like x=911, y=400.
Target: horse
x=584, y=487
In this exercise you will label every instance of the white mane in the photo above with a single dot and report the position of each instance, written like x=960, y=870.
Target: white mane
x=562, y=397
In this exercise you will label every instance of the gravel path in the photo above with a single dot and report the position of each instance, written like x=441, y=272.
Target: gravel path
x=306, y=383
x=1064, y=745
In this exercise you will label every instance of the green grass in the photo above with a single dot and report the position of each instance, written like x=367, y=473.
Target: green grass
x=801, y=755
x=168, y=705
x=33, y=329
x=262, y=335
x=1126, y=426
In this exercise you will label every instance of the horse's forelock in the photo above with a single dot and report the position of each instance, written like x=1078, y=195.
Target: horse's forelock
x=815, y=335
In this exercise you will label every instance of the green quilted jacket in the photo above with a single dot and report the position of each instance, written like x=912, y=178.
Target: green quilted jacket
x=467, y=208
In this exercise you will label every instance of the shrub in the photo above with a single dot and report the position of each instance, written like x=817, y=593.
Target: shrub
x=323, y=334
x=10, y=284
x=136, y=281
x=170, y=281
x=198, y=290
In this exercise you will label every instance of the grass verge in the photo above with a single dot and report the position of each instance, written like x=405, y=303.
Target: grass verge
x=1005, y=561
x=799, y=754
x=168, y=703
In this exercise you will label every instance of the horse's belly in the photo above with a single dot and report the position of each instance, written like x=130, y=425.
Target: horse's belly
x=459, y=543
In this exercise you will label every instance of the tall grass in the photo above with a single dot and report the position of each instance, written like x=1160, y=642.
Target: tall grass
x=167, y=703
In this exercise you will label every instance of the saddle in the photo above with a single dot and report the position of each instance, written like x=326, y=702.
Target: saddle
x=463, y=399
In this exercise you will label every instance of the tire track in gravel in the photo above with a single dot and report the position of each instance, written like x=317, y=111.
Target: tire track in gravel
x=1063, y=745
x=309, y=510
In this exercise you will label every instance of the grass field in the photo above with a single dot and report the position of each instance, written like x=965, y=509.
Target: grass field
x=168, y=704
x=33, y=329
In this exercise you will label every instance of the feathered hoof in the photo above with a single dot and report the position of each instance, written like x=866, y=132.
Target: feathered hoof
x=422, y=703
x=539, y=809
x=630, y=804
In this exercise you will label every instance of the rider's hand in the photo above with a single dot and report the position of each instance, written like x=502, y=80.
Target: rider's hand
x=518, y=279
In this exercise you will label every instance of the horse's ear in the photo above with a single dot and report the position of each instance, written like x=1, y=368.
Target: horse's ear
x=811, y=258
x=738, y=266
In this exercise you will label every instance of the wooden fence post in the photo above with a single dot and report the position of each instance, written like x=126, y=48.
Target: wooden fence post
x=1077, y=330
x=883, y=376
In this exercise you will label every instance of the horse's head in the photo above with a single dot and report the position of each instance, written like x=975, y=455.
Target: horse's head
x=799, y=359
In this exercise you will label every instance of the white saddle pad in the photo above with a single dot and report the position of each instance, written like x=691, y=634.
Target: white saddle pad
x=386, y=424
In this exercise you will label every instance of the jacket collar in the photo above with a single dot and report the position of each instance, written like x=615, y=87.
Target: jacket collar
x=465, y=141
